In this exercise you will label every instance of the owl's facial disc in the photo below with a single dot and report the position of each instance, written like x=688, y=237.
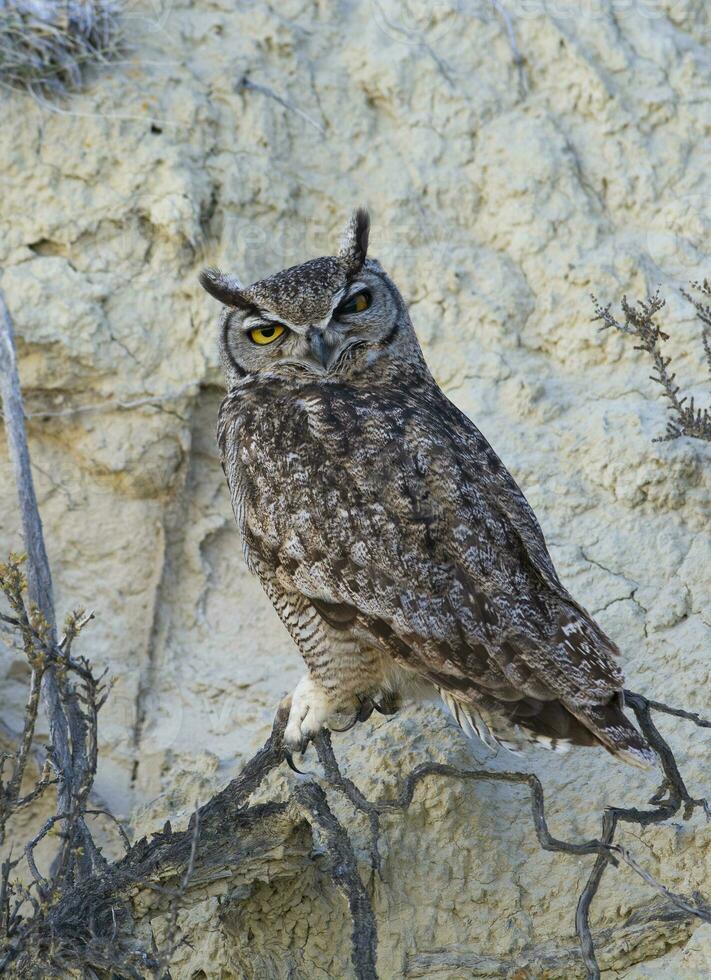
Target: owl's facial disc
x=352, y=328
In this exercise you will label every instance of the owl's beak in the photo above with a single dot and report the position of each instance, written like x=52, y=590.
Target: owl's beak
x=322, y=351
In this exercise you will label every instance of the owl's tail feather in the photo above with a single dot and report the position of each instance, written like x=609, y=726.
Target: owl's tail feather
x=615, y=731
x=491, y=724
x=471, y=722
x=551, y=725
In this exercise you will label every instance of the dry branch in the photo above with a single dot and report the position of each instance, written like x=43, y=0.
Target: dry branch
x=639, y=321
x=39, y=577
x=71, y=707
x=312, y=801
x=667, y=802
x=245, y=84
x=68, y=731
x=239, y=844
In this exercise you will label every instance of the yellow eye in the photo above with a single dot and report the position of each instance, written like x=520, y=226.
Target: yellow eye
x=355, y=304
x=266, y=334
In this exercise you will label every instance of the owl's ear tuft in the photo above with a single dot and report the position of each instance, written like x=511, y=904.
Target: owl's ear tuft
x=354, y=243
x=226, y=288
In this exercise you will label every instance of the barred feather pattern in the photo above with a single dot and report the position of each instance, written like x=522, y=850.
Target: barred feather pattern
x=379, y=502
x=398, y=550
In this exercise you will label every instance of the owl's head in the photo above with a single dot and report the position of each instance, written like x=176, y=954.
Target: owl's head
x=340, y=315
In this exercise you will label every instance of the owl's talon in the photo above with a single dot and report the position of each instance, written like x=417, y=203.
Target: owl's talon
x=388, y=705
x=290, y=762
x=367, y=706
x=309, y=712
x=365, y=710
x=351, y=724
x=311, y=709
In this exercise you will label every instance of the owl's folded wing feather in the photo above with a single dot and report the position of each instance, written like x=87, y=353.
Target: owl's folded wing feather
x=418, y=527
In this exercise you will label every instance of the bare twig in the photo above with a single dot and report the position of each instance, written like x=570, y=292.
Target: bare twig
x=311, y=800
x=335, y=777
x=582, y=912
x=518, y=59
x=639, y=321
x=247, y=84
x=604, y=847
x=11, y=791
x=691, y=716
x=233, y=835
x=101, y=811
x=79, y=926
x=700, y=910
x=39, y=577
x=703, y=313
x=71, y=712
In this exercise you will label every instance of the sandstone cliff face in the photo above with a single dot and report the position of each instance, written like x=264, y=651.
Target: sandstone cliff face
x=501, y=198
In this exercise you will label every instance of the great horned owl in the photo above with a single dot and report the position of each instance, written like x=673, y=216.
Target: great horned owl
x=396, y=548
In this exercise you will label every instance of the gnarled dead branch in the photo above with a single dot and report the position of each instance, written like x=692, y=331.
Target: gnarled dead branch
x=93, y=923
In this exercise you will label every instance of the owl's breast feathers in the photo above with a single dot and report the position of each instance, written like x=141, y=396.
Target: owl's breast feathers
x=387, y=504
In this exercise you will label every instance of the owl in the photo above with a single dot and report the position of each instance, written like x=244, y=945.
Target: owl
x=396, y=548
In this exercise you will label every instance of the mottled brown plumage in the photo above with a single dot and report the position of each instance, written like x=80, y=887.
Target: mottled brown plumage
x=393, y=543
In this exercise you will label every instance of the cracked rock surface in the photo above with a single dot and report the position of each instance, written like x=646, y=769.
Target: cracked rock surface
x=501, y=197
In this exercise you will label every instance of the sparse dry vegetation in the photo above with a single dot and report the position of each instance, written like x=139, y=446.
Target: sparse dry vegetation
x=640, y=321
x=45, y=45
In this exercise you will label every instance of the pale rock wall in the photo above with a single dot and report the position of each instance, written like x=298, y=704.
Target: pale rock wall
x=500, y=201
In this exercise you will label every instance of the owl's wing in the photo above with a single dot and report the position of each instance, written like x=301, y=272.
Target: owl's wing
x=573, y=658
x=504, y=493
x=393, y=514
x=499, y=483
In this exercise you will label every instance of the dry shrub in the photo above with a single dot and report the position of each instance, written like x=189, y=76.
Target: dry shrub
x=46, y=45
